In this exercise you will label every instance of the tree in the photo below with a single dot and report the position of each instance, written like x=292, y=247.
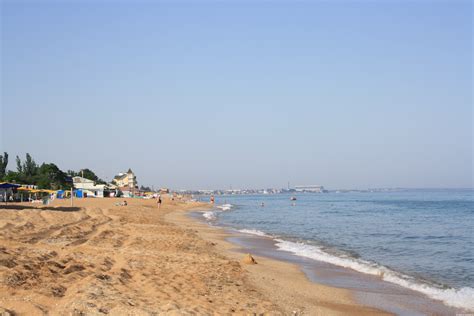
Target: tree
x=30, y=168
x=146, y=189
x=19, y=167
x=89, y=174
x=49, y=176
x=26, y=171
x=3, y=165
x=72, y=173
x=46, y=176
x=13, y=176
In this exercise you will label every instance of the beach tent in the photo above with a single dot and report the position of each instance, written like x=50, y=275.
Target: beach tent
x=7, y=185
x=63, y=194
x=5, y=189
x=24, y=193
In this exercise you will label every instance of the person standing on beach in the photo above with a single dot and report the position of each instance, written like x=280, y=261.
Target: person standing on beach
x=159, y=201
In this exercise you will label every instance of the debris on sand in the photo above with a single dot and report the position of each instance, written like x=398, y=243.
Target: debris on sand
x=248, y=259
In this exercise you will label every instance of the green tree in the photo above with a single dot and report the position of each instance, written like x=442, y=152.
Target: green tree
x=49, y=176
x=3, y=165
x=13, y=176
x=72, y=173
x=143, y=188
x=19, y=167
x=30, y=168
x=46, y=176
x=89, y=174
x=26, y=171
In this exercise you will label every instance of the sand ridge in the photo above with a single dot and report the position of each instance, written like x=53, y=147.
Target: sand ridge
x=96, y=258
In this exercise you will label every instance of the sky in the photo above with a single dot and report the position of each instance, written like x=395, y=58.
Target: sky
x=242, y=94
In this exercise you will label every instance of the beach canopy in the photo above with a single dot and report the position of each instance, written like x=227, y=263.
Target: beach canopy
x=36, y=190
x=24, y=189
x=7, y=185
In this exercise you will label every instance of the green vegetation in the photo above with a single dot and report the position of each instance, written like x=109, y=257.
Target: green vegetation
x=3, y=165
x=45, y=176
x=147, y=189
x=86, y=173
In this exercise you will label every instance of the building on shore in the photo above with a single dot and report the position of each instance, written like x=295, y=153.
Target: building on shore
x=310, y=188
x=88, y=187
x=127, y=183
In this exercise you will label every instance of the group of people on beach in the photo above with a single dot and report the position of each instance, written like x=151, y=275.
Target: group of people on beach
x=124, y=203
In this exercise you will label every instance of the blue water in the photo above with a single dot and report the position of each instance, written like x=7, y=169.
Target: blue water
x=412, y=237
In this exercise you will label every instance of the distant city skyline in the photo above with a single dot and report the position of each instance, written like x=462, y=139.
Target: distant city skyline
x=205, y=95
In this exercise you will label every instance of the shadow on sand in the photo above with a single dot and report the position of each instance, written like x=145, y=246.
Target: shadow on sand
x=39, y=207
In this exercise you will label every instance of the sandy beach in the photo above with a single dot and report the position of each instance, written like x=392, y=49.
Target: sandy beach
x=276, y=158
x=97, y=258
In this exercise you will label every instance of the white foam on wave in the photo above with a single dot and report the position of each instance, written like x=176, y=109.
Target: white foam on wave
x=225, y=207
x=253, y=232
x=460, y=298
x=210, y=215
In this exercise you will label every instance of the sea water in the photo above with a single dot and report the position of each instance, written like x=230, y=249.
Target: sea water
x=418, y=239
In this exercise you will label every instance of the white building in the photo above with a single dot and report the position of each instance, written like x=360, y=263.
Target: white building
x=89, y=187
x=309, y=188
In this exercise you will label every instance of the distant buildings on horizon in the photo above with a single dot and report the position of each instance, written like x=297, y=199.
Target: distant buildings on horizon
x=315, y=189
x=126, y=183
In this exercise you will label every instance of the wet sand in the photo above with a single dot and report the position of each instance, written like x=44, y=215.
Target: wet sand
x=282, y=281
x=97, y=258
x=365, y=289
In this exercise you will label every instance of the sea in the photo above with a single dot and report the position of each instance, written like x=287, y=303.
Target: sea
x=421, y=240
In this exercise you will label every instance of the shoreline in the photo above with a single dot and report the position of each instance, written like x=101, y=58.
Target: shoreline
x=99, y=258
x=366, y=290
x=282, y=282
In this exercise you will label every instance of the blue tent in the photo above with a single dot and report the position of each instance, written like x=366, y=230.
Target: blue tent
x=6, y=185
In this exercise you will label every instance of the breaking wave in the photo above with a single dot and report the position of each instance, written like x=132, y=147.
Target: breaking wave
x=212, y=215
x=461, y=298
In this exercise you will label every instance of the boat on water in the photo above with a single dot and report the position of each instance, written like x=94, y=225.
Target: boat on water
x=293, y=198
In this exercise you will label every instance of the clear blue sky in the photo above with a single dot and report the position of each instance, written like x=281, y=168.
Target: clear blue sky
x=206, y=94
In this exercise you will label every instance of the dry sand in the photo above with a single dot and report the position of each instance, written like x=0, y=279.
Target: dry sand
x=281, y=282
x=98, y=258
